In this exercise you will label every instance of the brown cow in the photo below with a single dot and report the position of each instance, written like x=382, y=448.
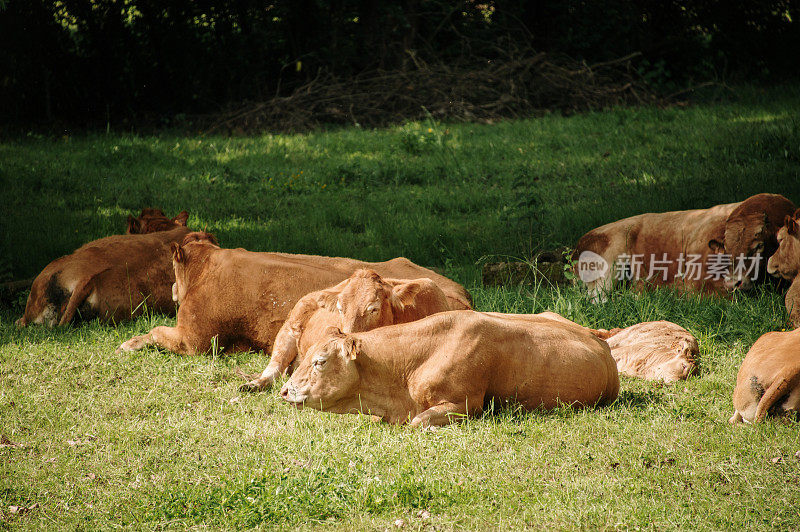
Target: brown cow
x=440, y=368
x=113, y=279
x=654, y=350
x=785, y=262
x=769, y=378
x=703, y=249
x=154, y=220
x=362, y=302
x=242, y=298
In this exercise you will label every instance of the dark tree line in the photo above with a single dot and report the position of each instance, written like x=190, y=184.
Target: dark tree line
x=91, y=61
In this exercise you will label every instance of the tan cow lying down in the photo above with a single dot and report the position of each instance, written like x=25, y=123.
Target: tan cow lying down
x=684, y=248
x=437, y=369
x=653, y=350
x=786, y=263
x=112, y=278
x=362, y=302
x=769, y=378
x=243, y=297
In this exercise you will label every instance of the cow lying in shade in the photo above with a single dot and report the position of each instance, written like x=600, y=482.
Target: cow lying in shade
x=769, y=378
x=785, y=262
x=242, y=298
x=653, y=350
x=709, y=250
x=440, y=368
x=362, y=302
x=112, y=278
x=154, y=220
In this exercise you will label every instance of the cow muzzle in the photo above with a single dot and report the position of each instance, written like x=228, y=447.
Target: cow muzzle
x=737, y=283
x=290, y=394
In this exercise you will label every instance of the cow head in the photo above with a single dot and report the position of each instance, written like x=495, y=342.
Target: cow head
x=785, y=262
x=181, y=255
x=328, y=377
x=366, y=301
x=154, y=220
x=750, y=233
x=679, y=367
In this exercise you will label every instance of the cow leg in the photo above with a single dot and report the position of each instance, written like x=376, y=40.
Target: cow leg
x=736, y=417
x=441, y=414
x=283, y=354
x=169, y=338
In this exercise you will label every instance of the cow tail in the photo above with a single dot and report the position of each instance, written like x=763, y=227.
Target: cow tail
x=78, y=296
x=777, y=389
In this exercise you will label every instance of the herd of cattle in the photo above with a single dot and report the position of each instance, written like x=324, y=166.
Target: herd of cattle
x=401, y=342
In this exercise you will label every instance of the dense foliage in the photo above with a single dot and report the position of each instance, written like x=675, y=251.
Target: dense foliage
x=109, y=61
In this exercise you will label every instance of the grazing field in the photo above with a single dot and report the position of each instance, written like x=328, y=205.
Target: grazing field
x=91, y=439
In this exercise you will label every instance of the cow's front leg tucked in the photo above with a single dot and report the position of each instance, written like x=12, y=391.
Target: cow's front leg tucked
x=170, y=338
x=283, y=354
x=441, y=414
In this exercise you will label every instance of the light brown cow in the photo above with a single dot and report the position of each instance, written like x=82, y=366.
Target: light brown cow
x=362, y=302
x=113, y=279
x=653, y=350
x=785, y=262
x=696, y=249
x=242, y=298
x=440, y=368
x=769, y=378
x=154, y=220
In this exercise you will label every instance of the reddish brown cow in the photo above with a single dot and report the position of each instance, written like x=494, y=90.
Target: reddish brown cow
x=687, y=249
x=362, y=302
x=786, y=263
x=113, y=278
x=242, y=298
x=154, y=220
x=769, y=378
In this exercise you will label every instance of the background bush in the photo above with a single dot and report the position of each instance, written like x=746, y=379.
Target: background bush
x=98, y=62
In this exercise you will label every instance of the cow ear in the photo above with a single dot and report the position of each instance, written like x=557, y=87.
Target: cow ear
x=404, y=294
x=181, y=218
x=134, y=228
x=716, y=246
x=792, y=225
x=327, y=299
x=352, y=347
x=333, y=330
x=177, y=252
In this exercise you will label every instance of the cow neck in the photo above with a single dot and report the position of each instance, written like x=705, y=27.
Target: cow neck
x=196, y=264
x=387, y=382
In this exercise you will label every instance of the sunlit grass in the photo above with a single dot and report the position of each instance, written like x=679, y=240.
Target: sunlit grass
x=152, y=440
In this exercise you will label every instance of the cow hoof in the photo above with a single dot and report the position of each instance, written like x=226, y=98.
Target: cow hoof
x=131, y=345
x=252, y=386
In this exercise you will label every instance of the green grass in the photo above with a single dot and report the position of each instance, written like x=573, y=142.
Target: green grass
x=161, y=441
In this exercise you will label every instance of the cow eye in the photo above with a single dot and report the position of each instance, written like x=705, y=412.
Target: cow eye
x=319, y=362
